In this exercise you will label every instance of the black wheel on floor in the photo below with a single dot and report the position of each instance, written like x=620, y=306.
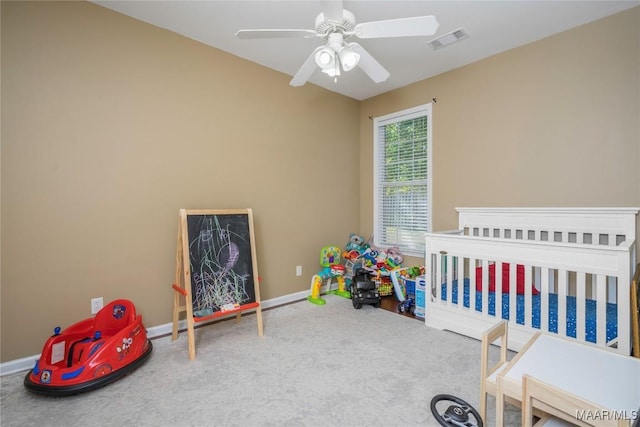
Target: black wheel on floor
x=401, y=308
x=356, y=305
x=377, y=305
x=457, y=414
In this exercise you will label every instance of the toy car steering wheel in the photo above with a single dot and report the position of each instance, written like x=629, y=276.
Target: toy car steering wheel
x=457, y=414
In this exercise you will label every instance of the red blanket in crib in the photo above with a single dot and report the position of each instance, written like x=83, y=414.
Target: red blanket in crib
x=505, y=279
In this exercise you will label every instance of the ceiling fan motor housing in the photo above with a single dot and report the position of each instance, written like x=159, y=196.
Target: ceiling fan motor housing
x=326, y=27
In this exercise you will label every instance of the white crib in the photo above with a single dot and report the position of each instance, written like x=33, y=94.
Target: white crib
x=579, y=260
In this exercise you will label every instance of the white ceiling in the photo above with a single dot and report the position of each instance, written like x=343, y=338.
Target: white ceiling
x=494, y=27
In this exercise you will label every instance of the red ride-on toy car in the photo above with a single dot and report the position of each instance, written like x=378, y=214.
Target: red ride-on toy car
x=91, y=353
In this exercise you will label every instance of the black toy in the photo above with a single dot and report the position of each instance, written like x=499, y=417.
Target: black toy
x=456, y=414
x=363, y=290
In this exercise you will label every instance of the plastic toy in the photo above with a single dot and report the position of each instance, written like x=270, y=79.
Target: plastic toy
x=395, y=256
x=363, y=290
x=355, y=242
x=351, y=255
x=407, y=306
x=381, y=259
x=330, y=261
x=457, y=414
x=91, y=353
x=370, y=256
x=352, y=263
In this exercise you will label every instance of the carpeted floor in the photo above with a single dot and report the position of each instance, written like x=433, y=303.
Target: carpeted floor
x=326, y=365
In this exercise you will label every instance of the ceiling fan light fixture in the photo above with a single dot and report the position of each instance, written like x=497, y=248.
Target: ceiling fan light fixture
x=326, y=58
x=348, y=58
x=332, y=71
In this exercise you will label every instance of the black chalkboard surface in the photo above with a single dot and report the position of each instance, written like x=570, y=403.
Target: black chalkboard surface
x=220, y=261
x=216, y=268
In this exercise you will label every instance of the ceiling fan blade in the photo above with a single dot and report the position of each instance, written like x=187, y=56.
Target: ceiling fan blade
x=275, y=34
x=402, y=27
x=306, y=70
x=332, y=10
x=369, y=65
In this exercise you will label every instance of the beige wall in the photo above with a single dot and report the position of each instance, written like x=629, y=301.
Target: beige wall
x=110, y=126
x=553, y=123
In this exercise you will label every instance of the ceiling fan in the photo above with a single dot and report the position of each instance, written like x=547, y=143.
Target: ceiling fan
x=336, y=25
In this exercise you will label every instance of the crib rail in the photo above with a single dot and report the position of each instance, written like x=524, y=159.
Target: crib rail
x=598, y=226
x=601, y=272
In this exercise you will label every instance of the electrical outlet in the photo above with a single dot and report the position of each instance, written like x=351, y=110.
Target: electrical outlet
x=96, y=305
x=299, y=270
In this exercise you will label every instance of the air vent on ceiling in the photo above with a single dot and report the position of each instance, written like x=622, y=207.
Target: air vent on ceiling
x=449, y=38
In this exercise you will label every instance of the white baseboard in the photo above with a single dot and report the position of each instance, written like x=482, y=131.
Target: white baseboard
x=28, y=362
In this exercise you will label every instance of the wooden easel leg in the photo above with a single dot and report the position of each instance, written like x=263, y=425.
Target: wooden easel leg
x=176, y=314
x=259, y=319
x=192, y=338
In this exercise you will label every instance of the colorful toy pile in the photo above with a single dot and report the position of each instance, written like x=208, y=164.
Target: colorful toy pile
x=357, y=254
x=376, y=259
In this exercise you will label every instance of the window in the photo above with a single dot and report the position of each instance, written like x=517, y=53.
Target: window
x=402, y=179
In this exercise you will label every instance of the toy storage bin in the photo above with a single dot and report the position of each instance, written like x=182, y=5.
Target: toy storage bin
x=409, y=287
x=384, y=285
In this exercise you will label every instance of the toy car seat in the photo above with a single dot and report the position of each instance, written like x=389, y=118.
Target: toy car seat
x=110, y=320
x=114, y=317
x=362, y=281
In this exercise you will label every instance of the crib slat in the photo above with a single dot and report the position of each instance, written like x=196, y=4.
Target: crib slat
x=485, y=287
x=513, y=306
x=447, y=281
x=527, y=296
x=449, y=274
x=460, y=278
x=438, y=278
x=498, y=292
x=601, y=309
x=581, y=287
x=544, y=300
x=563, y=276
x=472, y=284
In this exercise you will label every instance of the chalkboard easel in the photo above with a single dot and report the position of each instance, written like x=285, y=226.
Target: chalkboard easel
x=216, y=268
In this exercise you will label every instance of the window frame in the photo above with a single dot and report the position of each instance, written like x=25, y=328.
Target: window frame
x=396, y=117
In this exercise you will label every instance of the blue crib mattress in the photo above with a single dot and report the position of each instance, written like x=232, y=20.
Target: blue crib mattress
x=590, y=309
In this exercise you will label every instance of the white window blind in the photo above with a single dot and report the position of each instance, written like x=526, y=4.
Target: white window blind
x=402, y=179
